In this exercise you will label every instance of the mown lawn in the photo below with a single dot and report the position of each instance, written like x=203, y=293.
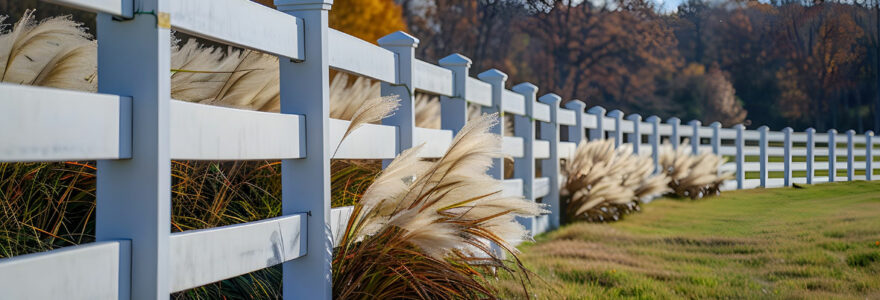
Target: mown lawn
x=816, y=242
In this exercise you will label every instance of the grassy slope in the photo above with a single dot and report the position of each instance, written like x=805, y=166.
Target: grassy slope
x=817, y=242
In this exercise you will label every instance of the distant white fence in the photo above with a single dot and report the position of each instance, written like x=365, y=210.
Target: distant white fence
x=134, y=130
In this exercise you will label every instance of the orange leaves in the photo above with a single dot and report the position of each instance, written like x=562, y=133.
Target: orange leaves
x=368, y=20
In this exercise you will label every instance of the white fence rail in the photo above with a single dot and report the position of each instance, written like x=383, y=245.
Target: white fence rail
x=134, y=129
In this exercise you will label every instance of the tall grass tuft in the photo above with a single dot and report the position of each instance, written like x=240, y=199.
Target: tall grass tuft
x=423, y=228
x=45, y=206
x=604, y=183
x=693, y=176
x=208, y=194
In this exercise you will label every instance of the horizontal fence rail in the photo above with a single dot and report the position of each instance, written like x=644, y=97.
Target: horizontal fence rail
x=203, y=132
x=224, y=21
x=241, y=248
x=133, y=259
x=36, y=125
x=92, y=271
x=118, y=8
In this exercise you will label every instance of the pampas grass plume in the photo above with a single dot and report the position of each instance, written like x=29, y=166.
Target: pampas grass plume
x=446, y=211
x=693, y=176
x=56, y=52
x=600, y=174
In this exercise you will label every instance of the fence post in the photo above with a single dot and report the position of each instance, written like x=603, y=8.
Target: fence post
x=576, y=133
x=550, y=166
x=598, y=132
x=134, y=195
x=811, y=154
x=850, y=155
x=404, y=45
x=524, y=167
x=695, y=137
x=496, y=79
x=618, y=131
x=763, y=130
x=832, y=155
x=716, y=137
x=740, y=156
x=306, y=182
x=636, y=137
x=674, y=138
x=655, y=141
x=786, y=159
x=454, y=110
x=869, y=158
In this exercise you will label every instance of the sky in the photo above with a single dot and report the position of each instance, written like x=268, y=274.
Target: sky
x=668, y=5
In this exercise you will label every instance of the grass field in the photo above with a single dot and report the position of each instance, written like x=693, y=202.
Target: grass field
x=821, y=241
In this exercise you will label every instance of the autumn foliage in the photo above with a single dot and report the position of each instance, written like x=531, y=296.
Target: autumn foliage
x=784, y=63
x=368, y=20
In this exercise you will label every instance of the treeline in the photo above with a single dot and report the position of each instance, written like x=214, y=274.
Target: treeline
x=798, y=64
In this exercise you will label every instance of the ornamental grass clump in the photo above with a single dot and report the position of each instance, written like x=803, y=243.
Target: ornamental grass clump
x=604, y=183
x=693, y=176
x=425, y=228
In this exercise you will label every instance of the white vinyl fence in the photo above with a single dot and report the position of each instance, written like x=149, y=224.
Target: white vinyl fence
x=133, y=129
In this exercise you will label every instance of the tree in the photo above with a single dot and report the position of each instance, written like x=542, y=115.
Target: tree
x=707, y=96
x=618, y=55
x=368, y=20
x=483, y=30
x=822, y=51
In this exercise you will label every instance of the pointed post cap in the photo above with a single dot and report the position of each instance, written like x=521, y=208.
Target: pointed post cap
x=634, y=117
x=576, y=105
x=615, y=113
x=715, y=124
x=398, y=39
x=551, y=99
x=455, y=60
x=653, y=119
x=492, y=75
x=597, y=110
x=525, y=88
x=294, y=5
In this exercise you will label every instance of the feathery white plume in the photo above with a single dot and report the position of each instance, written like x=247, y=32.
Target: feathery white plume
x=450, y=204
x=598, y=174
x=693, y=176
x=56, y=52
